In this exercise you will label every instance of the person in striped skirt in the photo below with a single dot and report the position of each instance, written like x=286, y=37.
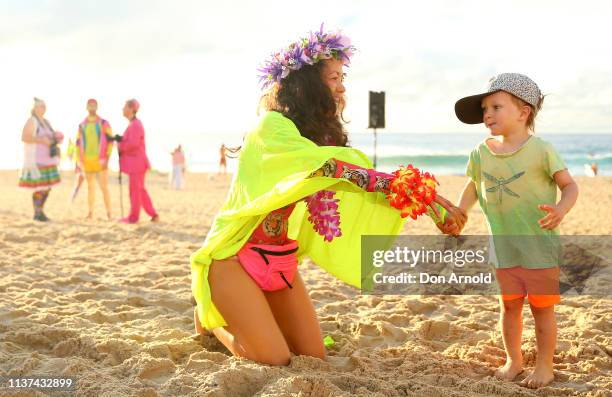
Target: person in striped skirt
x=41, y=157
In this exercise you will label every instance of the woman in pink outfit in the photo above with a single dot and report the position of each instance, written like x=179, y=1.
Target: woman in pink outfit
x=134, y=162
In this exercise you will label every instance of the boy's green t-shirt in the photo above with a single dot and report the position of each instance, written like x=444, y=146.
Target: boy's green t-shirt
x=510, y=187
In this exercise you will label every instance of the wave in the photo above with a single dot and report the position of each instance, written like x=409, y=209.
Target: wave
x=603, y=157
x=425, y=160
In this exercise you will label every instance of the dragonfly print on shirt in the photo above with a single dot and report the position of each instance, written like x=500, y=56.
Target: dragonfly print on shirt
x=500, y=185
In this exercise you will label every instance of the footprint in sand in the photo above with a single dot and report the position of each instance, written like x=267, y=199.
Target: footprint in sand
x=492, y=355
x=418, y=307
x=117, y=351
x=365, y=329
x=76, y=347
x=156, y=369
x=434, y=330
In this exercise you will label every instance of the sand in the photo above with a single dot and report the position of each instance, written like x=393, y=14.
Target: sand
x=109, y=304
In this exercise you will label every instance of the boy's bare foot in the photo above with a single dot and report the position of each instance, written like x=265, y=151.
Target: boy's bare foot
x=89, y=216
x=509, y=371
x=541, y=376
x=109, y=216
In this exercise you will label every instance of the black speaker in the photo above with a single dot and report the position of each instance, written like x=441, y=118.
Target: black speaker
x=377, y=110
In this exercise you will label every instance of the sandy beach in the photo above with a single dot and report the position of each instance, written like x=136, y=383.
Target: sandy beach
x=110, y=305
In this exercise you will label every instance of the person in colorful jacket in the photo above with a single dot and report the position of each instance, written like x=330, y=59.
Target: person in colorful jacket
x=133, y=161
x=94, y=150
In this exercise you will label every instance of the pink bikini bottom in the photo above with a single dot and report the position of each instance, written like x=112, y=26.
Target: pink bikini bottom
x=273, y=267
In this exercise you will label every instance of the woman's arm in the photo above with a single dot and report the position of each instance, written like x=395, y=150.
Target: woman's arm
x=374, y=181
x=132, y=139
x=28, y=135
x=366, y=178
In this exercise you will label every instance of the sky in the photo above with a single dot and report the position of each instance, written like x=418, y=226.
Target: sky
x=192, y=63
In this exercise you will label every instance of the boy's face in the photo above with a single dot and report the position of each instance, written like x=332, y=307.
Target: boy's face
x=501, y=114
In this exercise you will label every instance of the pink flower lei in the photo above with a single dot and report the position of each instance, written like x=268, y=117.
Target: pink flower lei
x=410, y=191
x=324, y=216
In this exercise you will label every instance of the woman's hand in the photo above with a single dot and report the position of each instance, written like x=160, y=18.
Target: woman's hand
x=455, y=220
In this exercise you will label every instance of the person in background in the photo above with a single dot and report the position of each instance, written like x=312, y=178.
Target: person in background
x=73, y=157
x=178, y=168
x=222, y=159
x=133, y=161
x=41, y=157
x=94, y=150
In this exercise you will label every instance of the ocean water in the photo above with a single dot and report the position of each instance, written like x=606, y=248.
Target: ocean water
x=441, y=154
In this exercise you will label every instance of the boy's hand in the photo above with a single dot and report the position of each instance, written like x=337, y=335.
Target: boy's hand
x=455, y=221
x=553, y=218
x=449, y=227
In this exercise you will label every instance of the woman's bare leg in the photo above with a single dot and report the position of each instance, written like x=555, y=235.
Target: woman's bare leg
x=297, y=319
x=252, y=331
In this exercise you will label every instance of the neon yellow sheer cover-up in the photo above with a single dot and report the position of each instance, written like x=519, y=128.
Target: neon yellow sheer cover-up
x=274, y=168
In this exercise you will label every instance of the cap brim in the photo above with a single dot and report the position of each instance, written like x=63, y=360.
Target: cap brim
x=469, y=109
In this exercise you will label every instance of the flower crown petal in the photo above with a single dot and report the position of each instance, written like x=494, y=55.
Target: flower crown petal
x=309, y=50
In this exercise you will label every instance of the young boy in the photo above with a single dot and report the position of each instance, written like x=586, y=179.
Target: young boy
x=515, y=180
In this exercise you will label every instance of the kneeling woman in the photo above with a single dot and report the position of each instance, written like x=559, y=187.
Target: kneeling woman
x=296, y=178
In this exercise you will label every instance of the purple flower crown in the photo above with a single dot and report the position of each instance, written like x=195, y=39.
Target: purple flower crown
x=306, y=51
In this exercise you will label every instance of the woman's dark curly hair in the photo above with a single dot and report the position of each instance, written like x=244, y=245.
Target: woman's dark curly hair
x=306, y=100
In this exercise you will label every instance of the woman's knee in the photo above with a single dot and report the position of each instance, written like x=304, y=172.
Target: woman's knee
x=311, y=351
x=252, y=331
x=262, y=349
x=275, y=356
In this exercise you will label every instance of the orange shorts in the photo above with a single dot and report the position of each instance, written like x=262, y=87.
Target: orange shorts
x=541, y=286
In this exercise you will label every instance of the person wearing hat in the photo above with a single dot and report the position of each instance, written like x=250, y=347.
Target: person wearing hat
x=41, y=158
x=94, y=150
x=133, y=161
x=515, y=179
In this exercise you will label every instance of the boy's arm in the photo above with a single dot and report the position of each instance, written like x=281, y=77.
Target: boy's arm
x=454, y=219
x=468, y=197
x=467, y=200
x=569, y=195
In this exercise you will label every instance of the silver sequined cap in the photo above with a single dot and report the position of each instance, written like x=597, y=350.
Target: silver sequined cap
x=469, y=110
